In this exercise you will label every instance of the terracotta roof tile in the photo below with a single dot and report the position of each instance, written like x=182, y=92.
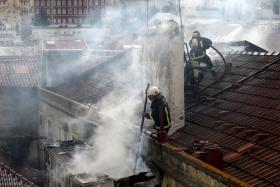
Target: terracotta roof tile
x=22, y=71
x=249, y=132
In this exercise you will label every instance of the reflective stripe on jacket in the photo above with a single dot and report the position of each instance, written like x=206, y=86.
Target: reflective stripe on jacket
x=160, y=113
x=197, y=50
x=198, y=47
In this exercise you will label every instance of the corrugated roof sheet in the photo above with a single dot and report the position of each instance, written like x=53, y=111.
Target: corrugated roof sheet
x=243, y=119
x=20, y=71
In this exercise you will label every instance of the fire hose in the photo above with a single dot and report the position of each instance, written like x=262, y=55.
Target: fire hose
x=222, y=57
x=224, y=72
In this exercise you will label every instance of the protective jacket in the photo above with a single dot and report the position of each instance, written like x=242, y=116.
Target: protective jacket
x=198, y=47
x=160, y=113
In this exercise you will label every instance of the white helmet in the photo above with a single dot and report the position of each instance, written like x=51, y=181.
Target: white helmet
x=153, y=91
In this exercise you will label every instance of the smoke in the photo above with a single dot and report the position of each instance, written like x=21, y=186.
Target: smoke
x=232, y=20
x=114, y=140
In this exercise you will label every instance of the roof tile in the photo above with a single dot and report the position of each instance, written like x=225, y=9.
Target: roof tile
x=249, y=133
x=21, y=71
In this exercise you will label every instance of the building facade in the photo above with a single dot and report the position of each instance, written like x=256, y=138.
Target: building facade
x=18, y=14
x=10, y=12
x=67, y=11
x=8, y=36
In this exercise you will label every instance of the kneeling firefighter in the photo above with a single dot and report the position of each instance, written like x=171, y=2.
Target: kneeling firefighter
x=159, y=113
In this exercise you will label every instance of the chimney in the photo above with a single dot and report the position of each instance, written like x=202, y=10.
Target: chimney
x=165, y=67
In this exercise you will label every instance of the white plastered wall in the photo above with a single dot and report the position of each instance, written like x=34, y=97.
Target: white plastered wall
x=163, y=53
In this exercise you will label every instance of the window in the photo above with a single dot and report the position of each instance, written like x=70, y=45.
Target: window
x=63, y=2
x=75, y=11
x=37, y=3
x=69, y=11
x=58, y=11
x=37, y=11
x=96, y=2
x=80, y=11
x=75, y=2
x=64, y=11
x=48, y=11
x=49, y=129
x=80, y=2
x=69, y=20
x=91, y=10
x=41, y=119
x=66, y=131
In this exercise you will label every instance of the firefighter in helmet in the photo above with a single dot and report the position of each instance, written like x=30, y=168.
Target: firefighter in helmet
x=198, y=46
x=159, y=110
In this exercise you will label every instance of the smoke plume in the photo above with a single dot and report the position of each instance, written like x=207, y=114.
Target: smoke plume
x=114, y=140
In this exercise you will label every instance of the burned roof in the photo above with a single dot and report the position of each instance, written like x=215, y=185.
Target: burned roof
x=95, y=83
x=241, y=115
x=19, y=71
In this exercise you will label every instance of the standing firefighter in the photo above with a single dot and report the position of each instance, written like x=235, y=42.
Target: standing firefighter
x=160, y=113
x=198, y=46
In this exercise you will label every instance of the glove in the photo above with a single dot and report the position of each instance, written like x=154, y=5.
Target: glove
x=147, y=115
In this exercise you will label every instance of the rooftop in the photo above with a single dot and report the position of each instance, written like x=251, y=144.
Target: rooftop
x=95, y=83
x=14, y=173
x=9, y=177
x=53, y=45
x=19, y=71
x=241, y=115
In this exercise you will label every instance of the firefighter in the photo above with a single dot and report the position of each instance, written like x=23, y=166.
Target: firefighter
x=198, y=47
x=159, y=110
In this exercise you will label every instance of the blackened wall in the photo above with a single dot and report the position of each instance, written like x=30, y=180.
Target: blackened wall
x=18, y=124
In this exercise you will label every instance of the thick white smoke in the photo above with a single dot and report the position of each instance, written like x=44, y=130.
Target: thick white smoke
x=114, y=140
x=232, y=20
